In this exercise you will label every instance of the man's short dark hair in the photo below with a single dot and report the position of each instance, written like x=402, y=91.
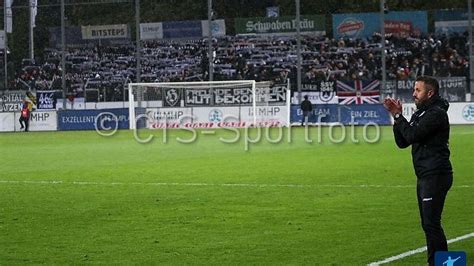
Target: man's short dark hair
x=430, y=82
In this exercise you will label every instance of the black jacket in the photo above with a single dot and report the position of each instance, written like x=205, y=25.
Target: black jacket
x=306, y=106
x=428, y=133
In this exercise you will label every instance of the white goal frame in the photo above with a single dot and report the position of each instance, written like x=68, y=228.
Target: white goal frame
x=132, y=102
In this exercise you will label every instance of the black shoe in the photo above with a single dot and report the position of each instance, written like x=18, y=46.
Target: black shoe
x=22, y=127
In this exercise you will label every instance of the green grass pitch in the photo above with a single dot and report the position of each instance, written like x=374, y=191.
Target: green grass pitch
x=78, y=197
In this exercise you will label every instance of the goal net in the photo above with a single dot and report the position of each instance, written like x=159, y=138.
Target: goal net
x=208, y=104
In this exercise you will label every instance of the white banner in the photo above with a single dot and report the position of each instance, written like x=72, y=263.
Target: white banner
x=151, y=31
x=12, y=101
x=217, y=27
x=7, y=122
x=316, y=97
x=117, y=31
x=461, y=113
x=214, y=117
x=166, y=117
x=39, y=121
x=78, y=103
x=458, y=113
x=267, y=116
x=2, y=39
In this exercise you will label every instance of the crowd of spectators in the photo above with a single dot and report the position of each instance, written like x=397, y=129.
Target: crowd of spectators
x=105, y=70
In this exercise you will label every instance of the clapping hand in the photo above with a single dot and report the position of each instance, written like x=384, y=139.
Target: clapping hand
x=392, y=105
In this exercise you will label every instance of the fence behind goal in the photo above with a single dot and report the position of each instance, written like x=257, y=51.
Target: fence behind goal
x=205, y=104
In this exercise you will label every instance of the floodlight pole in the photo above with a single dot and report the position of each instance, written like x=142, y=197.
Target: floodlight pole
x=298, y=49
x=138, y=44
x=5, y=38
x=209, y=40
x=382, y=34
x=471, y=59
x=31, y=35
x=63, y=55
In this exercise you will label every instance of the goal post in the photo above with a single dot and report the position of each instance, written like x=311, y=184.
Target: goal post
x=208, y=104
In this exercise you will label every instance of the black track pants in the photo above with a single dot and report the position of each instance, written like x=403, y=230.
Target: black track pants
x=431, y=192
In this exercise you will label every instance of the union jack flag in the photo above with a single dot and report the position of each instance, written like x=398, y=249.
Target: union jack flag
x=359, y=93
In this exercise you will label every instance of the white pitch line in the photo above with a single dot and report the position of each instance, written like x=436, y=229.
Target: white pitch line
x=416, y=251
x=84, y=183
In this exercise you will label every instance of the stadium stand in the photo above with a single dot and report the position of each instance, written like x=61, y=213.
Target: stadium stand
x=106, y=69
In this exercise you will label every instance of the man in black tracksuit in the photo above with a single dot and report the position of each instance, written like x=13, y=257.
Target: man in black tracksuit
x=306, y=107
x=428, y=133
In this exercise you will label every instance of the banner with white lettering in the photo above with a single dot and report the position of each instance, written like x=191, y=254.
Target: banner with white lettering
x=93, y=119
x=346, y=114
x=151, y=31
x=327, y=113
x=452, y=89
x=46, y=100
x=212, y=117
x=215, y=117
x=460, y=113
x=280, y=25
x=404, y=90
x=319, y=86
x=166, y=117
x=364, y=114
x=117, y=31
x=275, y=94
x=235, y=96
x=198, y=97
x=11, y=101
x=316, y=97
x=267, y=116
x=362, y=25
x=40, y=121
